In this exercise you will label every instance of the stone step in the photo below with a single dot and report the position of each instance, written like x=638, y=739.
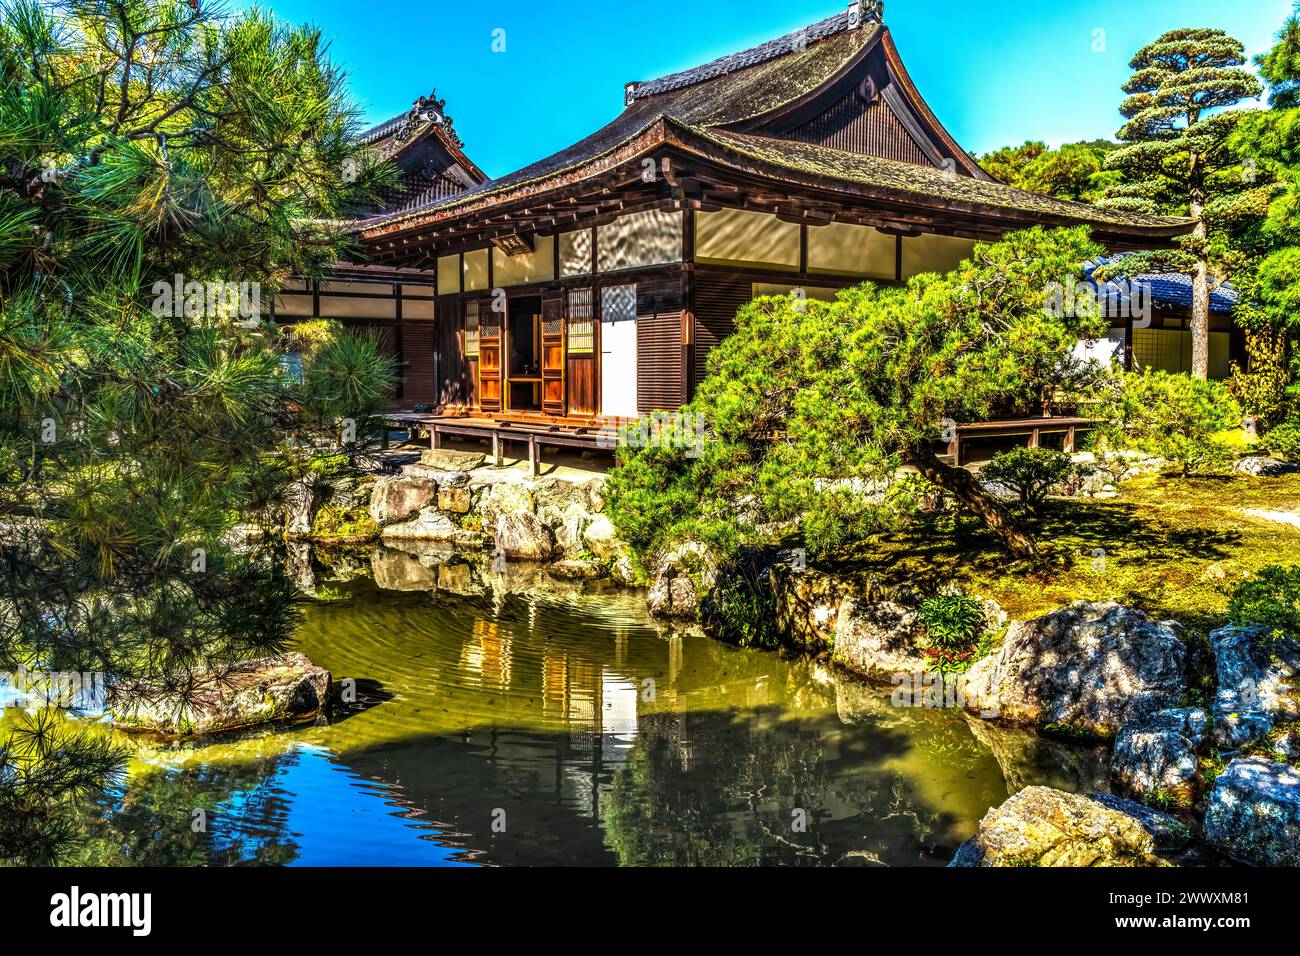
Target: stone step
x=444, y=459
x=422, y=471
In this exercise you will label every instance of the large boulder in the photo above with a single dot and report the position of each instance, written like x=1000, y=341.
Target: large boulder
x=808, y=601
x=266, y=691
x=679, y=578
x=1044, y=827
x=300, y=501
x=879, y=639
x=673, y=597
x=1255, y=671
x=558, y=493
x=1170, y=833
x=1155, y=757
x=522, y=536
x=594, y=490
x=348, y=493
x=429, y=525
x=1261, y=467
x=567, y=525
x=1254, y=812
x=504, y=498
x=397, y=498
x=600, y=538
x=454, y=495
x=1087, y=667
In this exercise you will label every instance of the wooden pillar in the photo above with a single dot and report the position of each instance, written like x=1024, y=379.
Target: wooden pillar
x=435, y=440
x=496, y=448
x=1034, y=438
x=954, y=447
x=534, y=465
x=1069, y=440
x=1128, y=344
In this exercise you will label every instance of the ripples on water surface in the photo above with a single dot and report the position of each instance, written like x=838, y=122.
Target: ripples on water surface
x=590, y=734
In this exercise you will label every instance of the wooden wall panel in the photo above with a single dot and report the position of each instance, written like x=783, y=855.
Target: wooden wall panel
x=854, y=125
x=718, y=297
x=661, y=366
x=419, y=358
x=554, y=400
x=491, y=359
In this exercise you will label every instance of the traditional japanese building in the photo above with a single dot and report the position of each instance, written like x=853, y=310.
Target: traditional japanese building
x=590, y=286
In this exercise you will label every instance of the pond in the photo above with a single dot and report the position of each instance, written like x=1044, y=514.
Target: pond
x=506, y=719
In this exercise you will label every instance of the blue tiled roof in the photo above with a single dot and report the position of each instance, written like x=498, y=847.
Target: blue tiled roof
x=1173, y=288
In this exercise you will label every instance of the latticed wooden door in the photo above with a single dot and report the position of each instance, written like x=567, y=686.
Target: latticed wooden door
x=491, y=365
x=553, y=354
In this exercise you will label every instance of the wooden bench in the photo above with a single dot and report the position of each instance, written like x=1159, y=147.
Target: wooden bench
x=1033, y=428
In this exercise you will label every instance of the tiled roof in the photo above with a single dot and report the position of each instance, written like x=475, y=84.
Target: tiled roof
x=790, y=43
x=1171, y=288
x=376, y=133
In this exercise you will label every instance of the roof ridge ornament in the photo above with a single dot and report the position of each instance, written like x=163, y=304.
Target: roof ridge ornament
x=427, y=110
x=872, y=9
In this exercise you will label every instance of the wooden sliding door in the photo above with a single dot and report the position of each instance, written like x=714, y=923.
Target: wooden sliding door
x=580, y=352
x=553, y=352
x=491, y=354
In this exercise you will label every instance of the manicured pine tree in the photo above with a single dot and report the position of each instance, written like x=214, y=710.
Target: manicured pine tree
x=1175, y=156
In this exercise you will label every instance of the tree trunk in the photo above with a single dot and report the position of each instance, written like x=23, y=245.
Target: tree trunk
x=1200, y=301
x=963, y=486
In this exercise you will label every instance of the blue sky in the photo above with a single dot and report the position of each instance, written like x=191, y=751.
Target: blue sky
x=996, y=72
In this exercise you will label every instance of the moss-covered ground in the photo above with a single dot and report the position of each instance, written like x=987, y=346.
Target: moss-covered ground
x=1173, y=547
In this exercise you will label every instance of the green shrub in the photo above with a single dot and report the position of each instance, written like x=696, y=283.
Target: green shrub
x=332, y=522
x=741, y=609
x=1270, y=598
x=1173, y=416
x=1284, y=441
x=1031, y=473
x=954, y=623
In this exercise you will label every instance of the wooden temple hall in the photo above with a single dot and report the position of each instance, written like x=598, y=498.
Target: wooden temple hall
x=589, y=287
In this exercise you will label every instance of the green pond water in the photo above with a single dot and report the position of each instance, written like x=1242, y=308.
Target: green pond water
x=509, y=720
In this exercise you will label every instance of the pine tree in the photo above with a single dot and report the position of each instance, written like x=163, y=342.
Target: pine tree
x=1075, y=171
x=162, y=166
x=1269, y=141
x=1280, y=66
x=1175, y=156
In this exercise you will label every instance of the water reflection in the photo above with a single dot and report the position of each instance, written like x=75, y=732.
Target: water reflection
x=511, y=720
